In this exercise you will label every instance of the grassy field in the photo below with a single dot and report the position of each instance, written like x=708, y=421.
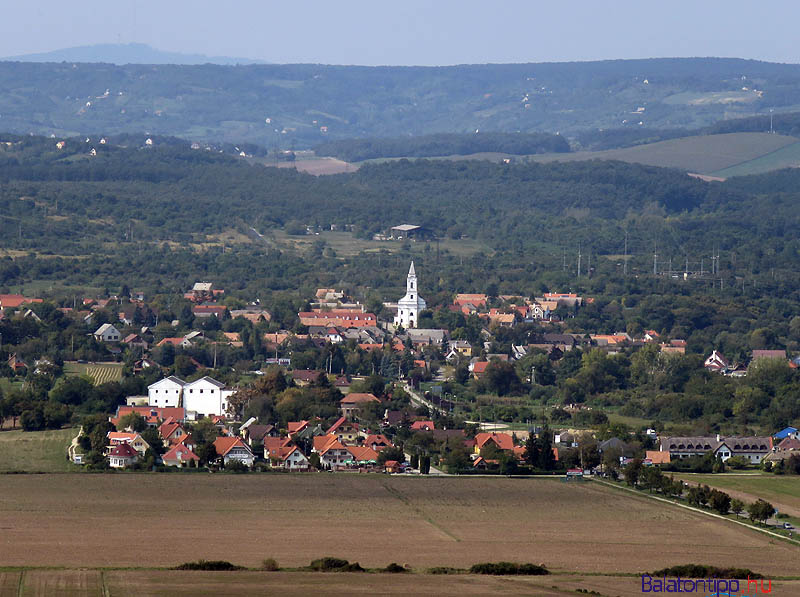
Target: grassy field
x=783, y=489
x=99, y=372
x=703, y=154
x=785, y=157
x=346, y=245
x=35, y=451
x=372, y=519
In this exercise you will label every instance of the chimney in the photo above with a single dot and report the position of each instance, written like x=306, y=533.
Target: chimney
x=717, y=436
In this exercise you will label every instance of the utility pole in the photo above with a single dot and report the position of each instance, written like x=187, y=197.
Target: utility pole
x=655, y=261
x=579, y=260
x=625, y=261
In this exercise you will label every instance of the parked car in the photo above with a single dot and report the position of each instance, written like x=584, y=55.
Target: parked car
x=786, y=525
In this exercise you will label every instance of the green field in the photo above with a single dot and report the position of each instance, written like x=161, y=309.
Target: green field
x=36, y=451
x=783, y=489
x=703, y=154
x=346, y=245
x=785, y=157
x=99, y=372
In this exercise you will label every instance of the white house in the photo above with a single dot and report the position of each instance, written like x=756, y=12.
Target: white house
x=409, y=307
x=233, y=448
x=206, y=396
x=108, y=333
x=293, y=459
x=166, y=392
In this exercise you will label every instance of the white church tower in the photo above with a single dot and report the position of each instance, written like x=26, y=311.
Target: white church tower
x=409, y=307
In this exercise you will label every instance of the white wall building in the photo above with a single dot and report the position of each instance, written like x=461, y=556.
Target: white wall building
x=166, y=392
x=108, y=333
x=206, y=396
x=409, y=307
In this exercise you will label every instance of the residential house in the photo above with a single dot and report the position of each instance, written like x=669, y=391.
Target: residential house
x=232, y=449
x=256, y=434
x=363, y=454
x=292, y=459
x=294, y=427
x=351, y=404
x=657, y=457
x=345, y=431
x=132, y=438
x=252, y=315
x=422, y=426
x=716, y=362
x=273, y=447
x=476, y=300
x=501, y=441
x=205, y=311
x=333, y=454
x=340, y=318
x=16, y=363
x=182, y=342
x=171, y=431
x=107, y=333
x=651, y=336
x=478, y=368
x=459, y=348
x=377, y=442
x=304, y=377
x=180, y=455
x=787, y=432
x=166, y=392
x=122, y=456
x=152, y=415
x=135, y=341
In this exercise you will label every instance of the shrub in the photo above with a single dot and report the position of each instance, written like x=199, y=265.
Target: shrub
x=334, y=565
x=270, y=565
x=445, y=570
x=395, y=568
x=702, y=571
x=215, y=565
x=507, y=568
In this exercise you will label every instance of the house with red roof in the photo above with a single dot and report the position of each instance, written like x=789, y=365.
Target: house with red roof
x=502, y=441
x=232, y=449
x=133, y=439
x=122, y=455
x=422, y=426
x=478, y=368
x=292, y=459
x=363, y=454
x=345, y=431
x=332, y=454
x=351, y=404
x=171, y=431
x=377, y=442
x=296, y=426
x=273, y=447
x=204, y=311
x=153, y=416
x=180, y=455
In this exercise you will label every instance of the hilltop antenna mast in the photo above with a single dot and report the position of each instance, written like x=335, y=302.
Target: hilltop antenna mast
x=655, y=260
x=579, y=260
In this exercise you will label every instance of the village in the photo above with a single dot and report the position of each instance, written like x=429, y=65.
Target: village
x=385, y=398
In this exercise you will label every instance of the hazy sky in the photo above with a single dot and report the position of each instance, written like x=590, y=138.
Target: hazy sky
x=434, y=32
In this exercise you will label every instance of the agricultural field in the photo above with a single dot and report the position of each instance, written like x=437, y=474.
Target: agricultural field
x=99, y=372
x=704, y=154
x=787, y=156
x=152, y=583
x=35, y=451
x=575, y=528
x=782, y=491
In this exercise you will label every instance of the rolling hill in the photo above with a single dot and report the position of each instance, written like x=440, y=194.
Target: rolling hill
x=300, y=106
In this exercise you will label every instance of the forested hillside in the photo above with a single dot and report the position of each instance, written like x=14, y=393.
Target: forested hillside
x=299, y=106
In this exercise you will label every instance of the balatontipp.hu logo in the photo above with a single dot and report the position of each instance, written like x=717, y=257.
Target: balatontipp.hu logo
x=712, y=587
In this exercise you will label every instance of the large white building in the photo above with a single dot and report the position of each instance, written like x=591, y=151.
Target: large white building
x=409, y=307
x=165, y=393
x=203, y=397
x=206, y=396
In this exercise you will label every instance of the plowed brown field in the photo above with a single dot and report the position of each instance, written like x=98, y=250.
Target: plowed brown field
x=118, y=520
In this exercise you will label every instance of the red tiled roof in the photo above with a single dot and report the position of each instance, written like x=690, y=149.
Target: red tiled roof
x=362, y=453
x=226, y=444
x=422, y=426
x=501, y=440
x=358, y=398
x=179, y=453
x=123, y=450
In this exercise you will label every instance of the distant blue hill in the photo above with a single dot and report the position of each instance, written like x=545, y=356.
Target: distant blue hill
x=127, y=54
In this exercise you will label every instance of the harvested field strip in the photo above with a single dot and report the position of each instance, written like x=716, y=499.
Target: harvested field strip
x=61, y=582
x=400, y=496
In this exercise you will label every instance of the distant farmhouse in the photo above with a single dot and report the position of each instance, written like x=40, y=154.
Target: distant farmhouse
x=411, y=232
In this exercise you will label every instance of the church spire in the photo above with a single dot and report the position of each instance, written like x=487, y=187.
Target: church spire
x=411, y=271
